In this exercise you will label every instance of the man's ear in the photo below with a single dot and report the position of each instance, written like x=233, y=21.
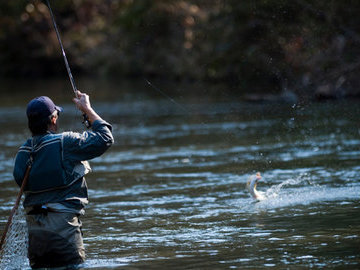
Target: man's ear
x=53, y=120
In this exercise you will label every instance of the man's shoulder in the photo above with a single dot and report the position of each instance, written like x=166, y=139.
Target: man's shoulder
x=70, y=135
x=71, y=138
x=27, y=143
x=52, y=136
x=26, y=146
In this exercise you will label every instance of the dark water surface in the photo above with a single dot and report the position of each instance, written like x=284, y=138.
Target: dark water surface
x=170, y=194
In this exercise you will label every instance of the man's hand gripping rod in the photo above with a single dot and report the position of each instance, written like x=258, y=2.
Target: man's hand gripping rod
x=85, y=121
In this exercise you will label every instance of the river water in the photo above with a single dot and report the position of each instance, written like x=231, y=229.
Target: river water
x=170, y=193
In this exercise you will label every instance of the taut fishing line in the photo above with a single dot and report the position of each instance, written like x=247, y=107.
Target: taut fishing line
x=166, y=95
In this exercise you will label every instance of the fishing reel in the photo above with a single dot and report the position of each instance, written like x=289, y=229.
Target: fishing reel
x=86, y=121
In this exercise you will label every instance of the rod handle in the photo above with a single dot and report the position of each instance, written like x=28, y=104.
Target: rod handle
x=86, y=121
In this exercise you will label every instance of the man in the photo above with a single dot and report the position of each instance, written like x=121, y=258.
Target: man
x=56, y=191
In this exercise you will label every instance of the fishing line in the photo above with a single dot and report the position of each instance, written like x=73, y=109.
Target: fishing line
x=166, y=95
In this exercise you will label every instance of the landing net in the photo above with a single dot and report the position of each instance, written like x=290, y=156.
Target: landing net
x=14, y=252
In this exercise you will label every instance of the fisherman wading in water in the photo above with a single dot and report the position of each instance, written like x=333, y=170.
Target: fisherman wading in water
x=56, y=192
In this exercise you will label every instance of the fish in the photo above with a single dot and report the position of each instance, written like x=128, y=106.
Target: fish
x=251, y=186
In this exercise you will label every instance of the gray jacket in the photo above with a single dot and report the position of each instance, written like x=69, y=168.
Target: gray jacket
x=59, y=165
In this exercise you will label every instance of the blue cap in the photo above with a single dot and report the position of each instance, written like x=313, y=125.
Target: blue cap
x=41, y=108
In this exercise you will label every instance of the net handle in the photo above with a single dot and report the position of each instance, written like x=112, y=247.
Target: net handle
x=16, y=206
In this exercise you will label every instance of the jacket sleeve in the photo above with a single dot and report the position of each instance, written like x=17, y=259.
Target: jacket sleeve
x=89, y=144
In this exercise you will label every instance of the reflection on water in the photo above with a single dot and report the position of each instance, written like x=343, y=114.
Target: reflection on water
x=171, y=192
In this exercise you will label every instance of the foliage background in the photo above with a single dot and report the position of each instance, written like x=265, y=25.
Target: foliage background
x=308, y=48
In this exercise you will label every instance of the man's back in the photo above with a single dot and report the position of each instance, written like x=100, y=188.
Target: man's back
x=56, y=192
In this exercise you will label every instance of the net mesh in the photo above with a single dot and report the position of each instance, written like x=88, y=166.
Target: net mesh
x=14, y=252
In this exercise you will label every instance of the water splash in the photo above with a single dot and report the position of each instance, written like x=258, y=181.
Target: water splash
x=302, y=191
x=275, y=190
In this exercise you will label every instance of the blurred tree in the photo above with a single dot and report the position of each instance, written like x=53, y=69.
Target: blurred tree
x=308, y=47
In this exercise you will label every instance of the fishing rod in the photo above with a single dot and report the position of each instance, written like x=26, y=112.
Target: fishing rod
x=85, y=121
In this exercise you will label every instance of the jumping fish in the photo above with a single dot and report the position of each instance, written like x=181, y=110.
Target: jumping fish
x=251, y=186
